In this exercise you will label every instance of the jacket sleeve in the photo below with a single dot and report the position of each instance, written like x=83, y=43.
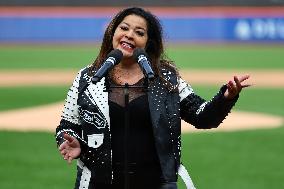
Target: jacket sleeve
x=201, y=113
x=70, y=122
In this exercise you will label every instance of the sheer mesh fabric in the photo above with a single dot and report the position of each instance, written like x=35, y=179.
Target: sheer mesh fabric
x=117, y=95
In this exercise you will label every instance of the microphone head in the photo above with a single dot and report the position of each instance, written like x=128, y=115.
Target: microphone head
x=137, y=52
x=116, y=54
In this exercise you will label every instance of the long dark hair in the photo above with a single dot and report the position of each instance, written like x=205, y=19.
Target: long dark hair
x=154, y=46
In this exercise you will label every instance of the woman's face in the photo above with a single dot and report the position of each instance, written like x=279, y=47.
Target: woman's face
x=131, y=33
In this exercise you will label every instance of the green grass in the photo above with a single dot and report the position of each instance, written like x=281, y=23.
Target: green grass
x=228, y=56
x=190, y=56
x=30, y=160
x=26, y=96
x=252, y=99
x=46, y=57
x=247, y=159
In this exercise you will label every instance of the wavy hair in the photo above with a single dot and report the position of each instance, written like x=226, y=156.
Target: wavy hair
x=154, y=46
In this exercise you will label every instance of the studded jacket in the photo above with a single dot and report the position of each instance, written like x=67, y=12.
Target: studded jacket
x=86, y=117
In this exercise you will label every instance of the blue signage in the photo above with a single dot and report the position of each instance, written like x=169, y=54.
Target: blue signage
x=13, y=29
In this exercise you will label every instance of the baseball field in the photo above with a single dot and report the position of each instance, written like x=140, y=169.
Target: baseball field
x=246, y=152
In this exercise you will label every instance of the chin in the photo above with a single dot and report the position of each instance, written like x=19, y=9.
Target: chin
x=126, y=53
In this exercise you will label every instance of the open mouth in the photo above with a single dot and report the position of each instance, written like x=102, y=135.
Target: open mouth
x=127, y=46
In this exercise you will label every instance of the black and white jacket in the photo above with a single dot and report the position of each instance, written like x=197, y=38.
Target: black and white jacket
x=86, y=117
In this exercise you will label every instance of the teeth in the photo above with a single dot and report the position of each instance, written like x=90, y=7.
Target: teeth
x=126, y=45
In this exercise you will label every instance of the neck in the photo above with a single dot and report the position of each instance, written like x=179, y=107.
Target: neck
x=128, y=64
x=127, y=71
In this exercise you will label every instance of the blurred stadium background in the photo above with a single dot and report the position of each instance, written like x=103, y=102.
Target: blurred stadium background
x=223, y=35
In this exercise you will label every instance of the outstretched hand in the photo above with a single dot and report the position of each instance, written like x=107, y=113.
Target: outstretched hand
x=235, y=87
x=70, y=149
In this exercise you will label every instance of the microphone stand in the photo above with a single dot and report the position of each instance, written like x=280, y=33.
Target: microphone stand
x=126, y=141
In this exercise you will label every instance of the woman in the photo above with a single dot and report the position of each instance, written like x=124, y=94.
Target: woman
x=146, y=154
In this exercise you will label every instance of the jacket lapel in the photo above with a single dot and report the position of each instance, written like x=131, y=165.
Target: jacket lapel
x=156, y=99
x=99, y=97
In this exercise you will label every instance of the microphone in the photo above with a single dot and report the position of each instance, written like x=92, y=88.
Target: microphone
x=113, y=58
x=141, y=57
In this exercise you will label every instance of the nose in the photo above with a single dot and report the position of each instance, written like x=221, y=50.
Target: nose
x=129, y=34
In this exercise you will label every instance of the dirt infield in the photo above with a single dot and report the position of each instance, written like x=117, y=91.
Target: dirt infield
x=46, y=118
x=267, y=79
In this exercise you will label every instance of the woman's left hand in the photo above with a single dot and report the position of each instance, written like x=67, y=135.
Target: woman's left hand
x=235, y=87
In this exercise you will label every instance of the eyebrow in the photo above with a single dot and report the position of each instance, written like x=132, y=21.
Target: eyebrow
x=135, y=27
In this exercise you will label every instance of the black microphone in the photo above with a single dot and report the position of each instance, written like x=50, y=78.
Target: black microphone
x=113, y=58
x=141, y=57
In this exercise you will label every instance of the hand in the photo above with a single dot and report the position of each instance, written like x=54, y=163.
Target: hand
x=70, y=149
x=235, y=87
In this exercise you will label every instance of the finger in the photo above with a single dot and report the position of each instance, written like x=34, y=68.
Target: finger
x=68, y=137
x=62, y=146
x=70, y=159
x=243, y=78
x=66, y=156
x=247, y=85
x=230, y=84
x=231, y=87
x=238, y=83
x=63, y=152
